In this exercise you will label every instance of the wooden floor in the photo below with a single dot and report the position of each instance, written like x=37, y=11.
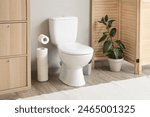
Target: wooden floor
x=98, y=76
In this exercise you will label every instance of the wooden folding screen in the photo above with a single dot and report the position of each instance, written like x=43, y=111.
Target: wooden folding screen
x=133, y=26
x=145, y=32
x=129, y=29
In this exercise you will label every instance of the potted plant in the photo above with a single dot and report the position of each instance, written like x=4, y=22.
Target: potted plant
x=113, y=48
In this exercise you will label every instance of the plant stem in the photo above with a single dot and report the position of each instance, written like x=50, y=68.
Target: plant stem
x=112, y=42
x=107, y=31
x=111, y=39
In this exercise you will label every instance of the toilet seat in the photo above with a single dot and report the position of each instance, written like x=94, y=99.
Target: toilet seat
x=75, y=49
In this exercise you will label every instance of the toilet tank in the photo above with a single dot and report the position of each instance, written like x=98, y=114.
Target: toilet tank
x=63, y=29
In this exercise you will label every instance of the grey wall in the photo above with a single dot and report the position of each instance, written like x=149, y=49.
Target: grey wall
x=41, y=10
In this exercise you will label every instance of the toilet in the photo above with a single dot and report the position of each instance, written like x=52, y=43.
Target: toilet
x=74, y=56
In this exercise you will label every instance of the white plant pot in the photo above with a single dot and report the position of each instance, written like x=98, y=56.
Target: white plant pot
x=115, y=64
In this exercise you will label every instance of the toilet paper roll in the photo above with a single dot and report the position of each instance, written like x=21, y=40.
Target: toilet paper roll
x=43, y=39
x=42, y=64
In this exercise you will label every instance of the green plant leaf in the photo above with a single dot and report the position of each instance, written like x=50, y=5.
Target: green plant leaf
x=110, y=54
x=106, y=18
x=120, y=54
x=110, y=23
x=107, y=46
x=120, y=44
x=102, y=20
x=113, y=32
x=116, y=53
x=102, y=38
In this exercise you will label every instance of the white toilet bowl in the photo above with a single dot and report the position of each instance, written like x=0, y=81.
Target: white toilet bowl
x=74, y=57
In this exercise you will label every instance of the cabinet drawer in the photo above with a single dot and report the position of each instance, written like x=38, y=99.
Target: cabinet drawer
x=12, y=39
x=13, y=10
x=12, y=73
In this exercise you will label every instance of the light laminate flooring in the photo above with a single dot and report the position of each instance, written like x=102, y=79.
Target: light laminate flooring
x=98, y=76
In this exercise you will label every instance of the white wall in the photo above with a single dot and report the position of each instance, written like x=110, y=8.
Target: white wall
x=41, y=10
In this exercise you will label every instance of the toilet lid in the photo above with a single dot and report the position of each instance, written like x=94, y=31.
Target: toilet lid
x=75, y=48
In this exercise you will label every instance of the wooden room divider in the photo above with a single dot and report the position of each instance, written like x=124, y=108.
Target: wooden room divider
x=132, y=21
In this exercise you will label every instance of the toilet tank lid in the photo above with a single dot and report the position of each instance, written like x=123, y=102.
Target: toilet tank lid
x=63, y=18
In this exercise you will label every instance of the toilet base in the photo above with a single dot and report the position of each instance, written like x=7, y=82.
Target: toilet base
x=72, y=76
